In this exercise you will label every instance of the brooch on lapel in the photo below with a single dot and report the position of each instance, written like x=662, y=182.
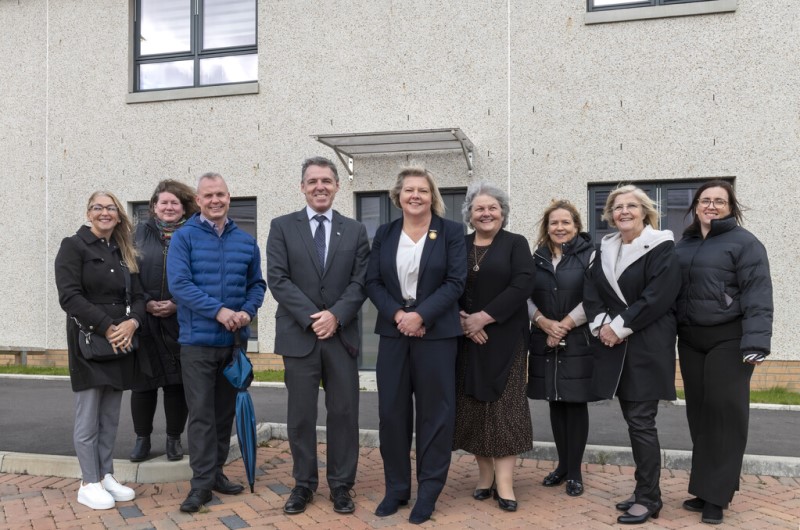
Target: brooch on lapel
x=432, y=234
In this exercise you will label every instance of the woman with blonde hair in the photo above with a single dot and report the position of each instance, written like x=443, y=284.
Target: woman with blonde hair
x=628, y=298
x=95, y=273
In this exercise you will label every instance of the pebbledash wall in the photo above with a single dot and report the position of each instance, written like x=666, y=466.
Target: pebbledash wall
x=552, y=101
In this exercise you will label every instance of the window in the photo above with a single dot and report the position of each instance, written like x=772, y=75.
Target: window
x=242, y=212
x=194, y=43
x=374, y=209
x=674, y=199
x=597, y=5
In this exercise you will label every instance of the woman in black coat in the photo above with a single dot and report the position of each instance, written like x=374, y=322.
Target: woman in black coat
x=91, y=271
x=416, y=273
x=493, y=420
x=628, y=297
x=561, y=362
x=724, y=331
x=171, y=204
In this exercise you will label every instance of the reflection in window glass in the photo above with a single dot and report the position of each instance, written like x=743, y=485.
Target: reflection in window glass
x=674, y=212
x=608, y=3
x=165, y=26
x=171, y=74
x=229, y=23
x=231, y=69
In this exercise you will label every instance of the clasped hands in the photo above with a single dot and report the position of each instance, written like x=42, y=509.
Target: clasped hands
x=324, y=324
x=473, y=324
x=161, y=309
x=608, y=337
x=409, y=324
x=556, y=330
x=232, y=320
x=120, y=336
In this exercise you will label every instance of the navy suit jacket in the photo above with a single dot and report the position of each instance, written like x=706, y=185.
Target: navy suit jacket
x=443, y=273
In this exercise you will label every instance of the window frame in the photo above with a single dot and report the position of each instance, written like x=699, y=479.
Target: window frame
x=196, y=54
x=650, y=9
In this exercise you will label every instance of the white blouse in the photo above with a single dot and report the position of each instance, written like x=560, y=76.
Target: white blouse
x=409, y=255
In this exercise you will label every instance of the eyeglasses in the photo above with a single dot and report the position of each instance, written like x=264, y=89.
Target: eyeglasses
x=632, y=207
x=718, y=203
x=96, y=208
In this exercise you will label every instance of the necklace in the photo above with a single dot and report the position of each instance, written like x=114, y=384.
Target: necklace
x=477, y=266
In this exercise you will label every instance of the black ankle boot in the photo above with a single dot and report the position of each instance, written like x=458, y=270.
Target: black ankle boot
x=174, y=448
x=141, y=450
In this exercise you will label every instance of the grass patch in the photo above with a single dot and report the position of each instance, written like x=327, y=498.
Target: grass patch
x=777, y=395
x=268, y=376
x=33, y=370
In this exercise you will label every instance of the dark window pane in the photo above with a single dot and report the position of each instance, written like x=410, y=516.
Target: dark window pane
x=165, y=26
x=233, y=69
x=674, y=211
x=243, y=213
x=229, y=23
x=172, y=74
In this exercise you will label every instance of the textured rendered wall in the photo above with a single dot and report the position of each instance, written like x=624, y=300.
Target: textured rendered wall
x=558, y=106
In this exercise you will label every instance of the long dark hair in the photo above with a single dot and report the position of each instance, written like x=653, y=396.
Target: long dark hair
x=735, y=206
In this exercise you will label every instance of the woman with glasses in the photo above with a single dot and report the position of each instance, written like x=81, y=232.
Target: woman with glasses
x=561, y=363
x=628, y=298
x=724, y=330
x=93, y=269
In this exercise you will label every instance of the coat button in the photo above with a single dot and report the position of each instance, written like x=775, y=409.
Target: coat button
x=112, y=270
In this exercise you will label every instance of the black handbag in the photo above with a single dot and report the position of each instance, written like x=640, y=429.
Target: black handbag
x=95, y=347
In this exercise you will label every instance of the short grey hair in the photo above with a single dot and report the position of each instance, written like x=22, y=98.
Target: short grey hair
x=484, y=188
x=320, y=161
x=211, y=175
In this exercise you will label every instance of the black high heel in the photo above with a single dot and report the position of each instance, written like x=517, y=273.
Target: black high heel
x=553, y=479
x=483, y=494
x=505, y=504
x=627, y=518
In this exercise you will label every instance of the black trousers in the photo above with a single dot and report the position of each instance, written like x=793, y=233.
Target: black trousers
x=212, y=401
x=641, y=419
x=330, y=363
x=424, y=370
x=717, y=386
x=570, y=423
x=143, y=409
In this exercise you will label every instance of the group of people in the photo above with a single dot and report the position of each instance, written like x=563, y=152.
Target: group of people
x=470, y=327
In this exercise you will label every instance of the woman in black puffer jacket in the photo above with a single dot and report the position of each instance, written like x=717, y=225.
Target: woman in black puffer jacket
x=561, y=363
x=724, y=315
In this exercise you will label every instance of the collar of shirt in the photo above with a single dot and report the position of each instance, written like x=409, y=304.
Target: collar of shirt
x=204, y=219
x=311, y=213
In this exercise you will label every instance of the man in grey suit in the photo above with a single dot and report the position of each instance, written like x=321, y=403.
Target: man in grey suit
x=316, y=265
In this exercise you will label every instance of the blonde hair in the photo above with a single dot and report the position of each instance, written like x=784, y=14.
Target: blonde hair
x=557, y=204
x=649, y=206
x=122, y=233
x=437, y=203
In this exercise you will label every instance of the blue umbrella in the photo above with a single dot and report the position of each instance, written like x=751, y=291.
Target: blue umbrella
x=239, y=373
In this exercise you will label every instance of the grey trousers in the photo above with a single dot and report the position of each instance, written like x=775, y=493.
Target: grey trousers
x=96, y=421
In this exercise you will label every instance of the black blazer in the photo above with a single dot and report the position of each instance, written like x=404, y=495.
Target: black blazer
x=501, y=288
x=443, y=273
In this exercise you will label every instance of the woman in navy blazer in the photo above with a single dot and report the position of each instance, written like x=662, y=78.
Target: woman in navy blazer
x=416, y=274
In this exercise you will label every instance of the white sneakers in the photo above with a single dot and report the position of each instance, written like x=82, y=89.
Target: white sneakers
x=102, y=495
x=95, y=496
x=117, y=490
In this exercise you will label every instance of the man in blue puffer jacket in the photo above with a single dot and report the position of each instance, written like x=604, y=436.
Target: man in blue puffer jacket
x=214, y=274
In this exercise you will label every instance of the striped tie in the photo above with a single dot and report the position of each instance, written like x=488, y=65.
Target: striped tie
x=319, y=240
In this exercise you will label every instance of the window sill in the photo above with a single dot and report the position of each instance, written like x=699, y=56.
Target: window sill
x=673, y=10
x=192, y=93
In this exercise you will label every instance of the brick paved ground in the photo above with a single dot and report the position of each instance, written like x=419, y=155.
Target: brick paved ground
x=47, y=502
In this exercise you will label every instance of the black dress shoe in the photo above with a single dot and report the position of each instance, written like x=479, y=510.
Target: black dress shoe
x=553, y=479
x=141, y=449
x=625, y=505
x=482, y=494
x=695, y=504
x=505, y=504
x=196, y=499
x=174, y=448
x=389, y=506
x=629, y=518
x=421, y=511
x=297, y=500
x=574, y=488
x=712, y=513
x=223, y=485
x=342, y=501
